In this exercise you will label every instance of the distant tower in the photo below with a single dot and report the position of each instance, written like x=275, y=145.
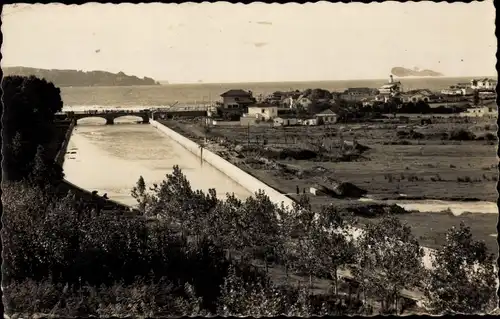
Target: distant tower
x=391, y=80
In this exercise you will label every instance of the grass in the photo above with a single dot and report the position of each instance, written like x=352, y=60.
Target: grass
x=429, y=167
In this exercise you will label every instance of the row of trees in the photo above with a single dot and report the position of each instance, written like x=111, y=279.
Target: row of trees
x=384, y=260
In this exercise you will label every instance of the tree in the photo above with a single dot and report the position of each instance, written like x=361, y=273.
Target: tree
x=389, y=259
x=30, y=105
x=262, y=228
x=334, y=245
x=140, y=194
x=463, y=278
x=475, y=98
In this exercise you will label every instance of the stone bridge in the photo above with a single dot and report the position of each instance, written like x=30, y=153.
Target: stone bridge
x=109, y=116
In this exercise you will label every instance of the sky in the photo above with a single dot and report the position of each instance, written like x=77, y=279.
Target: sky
x=222, y=42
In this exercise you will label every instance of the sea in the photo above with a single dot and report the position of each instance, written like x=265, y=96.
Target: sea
x=201, y=93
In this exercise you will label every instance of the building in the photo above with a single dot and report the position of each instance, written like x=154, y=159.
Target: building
x=288, y=102
x=483, y=84
x=237, y=99
x=285, y=121
x=384, y=98
x=457, y=90
x=308, y=121
x=303, y=101
x=262, y=111
x=392, y=87
x=358, y=94
x=327, y=117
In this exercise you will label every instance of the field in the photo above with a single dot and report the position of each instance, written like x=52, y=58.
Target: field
x=404, y=159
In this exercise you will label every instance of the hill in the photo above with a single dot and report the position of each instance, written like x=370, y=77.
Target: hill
x=64, y=78
x=402, y=72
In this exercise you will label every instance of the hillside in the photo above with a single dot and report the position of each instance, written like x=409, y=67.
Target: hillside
x=79, y=78
x=402, y=72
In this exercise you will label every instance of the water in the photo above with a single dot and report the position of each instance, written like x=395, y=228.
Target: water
x=439, y=206
x=186, y=94
x=110, y=159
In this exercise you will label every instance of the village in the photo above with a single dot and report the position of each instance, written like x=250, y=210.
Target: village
x=318, y=106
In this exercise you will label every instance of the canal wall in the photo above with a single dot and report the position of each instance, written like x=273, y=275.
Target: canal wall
x=64, y=144
x=241, y=177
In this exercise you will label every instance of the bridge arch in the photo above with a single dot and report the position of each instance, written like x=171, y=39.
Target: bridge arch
x=144, y=118
x=102, y=119
x=111, y=116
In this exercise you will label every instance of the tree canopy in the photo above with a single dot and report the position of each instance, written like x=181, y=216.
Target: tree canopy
x=30, y=105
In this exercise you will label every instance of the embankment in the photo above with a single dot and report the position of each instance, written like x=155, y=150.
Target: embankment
x=64, y=144
x=241, y=177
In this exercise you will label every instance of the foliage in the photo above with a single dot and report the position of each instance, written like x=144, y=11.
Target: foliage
x=463, y=276
x=30, y=105
x=143, y=298
x=389, y=259
x=462, y=135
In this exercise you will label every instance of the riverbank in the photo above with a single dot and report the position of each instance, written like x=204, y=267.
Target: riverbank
x=428, y=227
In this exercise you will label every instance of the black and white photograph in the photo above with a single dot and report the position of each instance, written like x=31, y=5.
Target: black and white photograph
x=220, y=159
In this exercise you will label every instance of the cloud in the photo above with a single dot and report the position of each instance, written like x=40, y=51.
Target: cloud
x=260, y=44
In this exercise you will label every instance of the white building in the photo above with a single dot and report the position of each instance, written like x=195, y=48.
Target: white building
x=263, y=111
x=303, y=101
x=285, y=121
x=483, y=84
x=327, y=117
x=392, y=87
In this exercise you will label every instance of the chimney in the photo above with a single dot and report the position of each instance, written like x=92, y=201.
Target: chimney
x=391, y=80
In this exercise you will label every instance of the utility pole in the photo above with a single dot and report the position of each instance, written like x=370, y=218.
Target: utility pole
x=248, y=134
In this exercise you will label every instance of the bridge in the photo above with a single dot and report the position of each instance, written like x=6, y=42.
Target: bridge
x=109, y=115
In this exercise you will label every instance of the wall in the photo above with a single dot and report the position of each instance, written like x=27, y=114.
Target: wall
x=64, y=147
x=239, y=176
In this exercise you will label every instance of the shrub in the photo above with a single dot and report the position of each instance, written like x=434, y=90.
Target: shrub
x=462, y=135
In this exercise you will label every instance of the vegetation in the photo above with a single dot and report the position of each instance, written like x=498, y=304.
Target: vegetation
x=189, y=253
x=65, y=78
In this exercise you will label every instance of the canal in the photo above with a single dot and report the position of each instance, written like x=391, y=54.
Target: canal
x=110, y=159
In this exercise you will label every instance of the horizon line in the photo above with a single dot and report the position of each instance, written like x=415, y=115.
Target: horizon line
x=166, y=82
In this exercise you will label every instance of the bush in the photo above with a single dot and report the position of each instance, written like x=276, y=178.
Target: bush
x=487, y=137
x=462, y=135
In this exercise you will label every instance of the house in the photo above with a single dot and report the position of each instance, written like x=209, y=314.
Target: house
x=288, y=102
x=452, y=91
x=391, y=88
x=326, y=117
x=358, y=94
x=262, y=111
x=383, y=98
x=483, y=84
x=308, y=121
x=237, y=99
x=303, y=101
x=285, y=121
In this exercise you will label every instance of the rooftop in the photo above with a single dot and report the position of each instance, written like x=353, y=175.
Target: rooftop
x=238, y=93
x=327, y=112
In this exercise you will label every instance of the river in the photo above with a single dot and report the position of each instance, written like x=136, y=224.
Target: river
x=110, y=159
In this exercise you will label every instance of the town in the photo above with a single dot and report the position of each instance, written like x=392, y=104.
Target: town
x=317, y=106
